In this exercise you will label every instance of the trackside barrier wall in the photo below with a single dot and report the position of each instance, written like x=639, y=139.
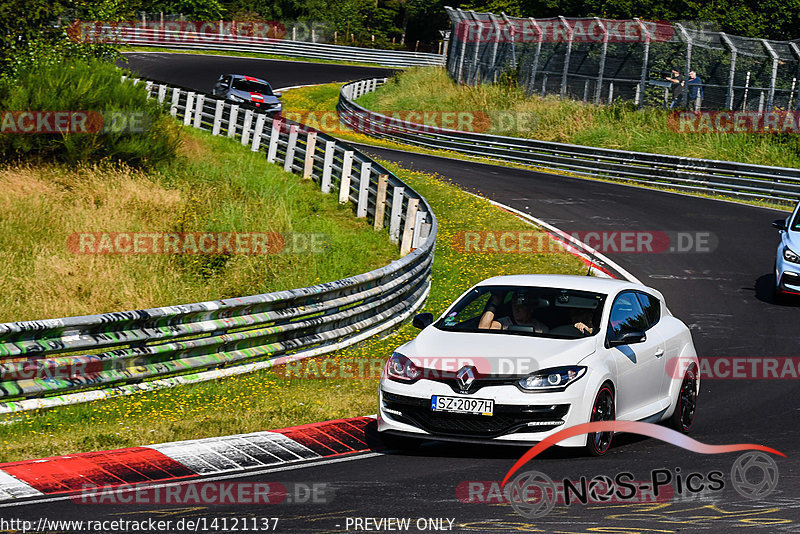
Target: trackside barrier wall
x=688, y=174
x=284, y=47
x=128, y=351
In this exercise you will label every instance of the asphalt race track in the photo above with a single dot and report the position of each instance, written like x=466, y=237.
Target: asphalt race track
x=724, y=295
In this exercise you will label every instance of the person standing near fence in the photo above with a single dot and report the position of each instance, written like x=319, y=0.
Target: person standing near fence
x=695, y=86
x=676, y=87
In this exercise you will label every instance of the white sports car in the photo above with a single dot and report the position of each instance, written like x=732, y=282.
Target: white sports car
x=517, y=358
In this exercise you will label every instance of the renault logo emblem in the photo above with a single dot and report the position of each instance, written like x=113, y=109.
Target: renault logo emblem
x=465, y=377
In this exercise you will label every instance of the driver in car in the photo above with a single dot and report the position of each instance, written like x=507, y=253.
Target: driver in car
x=521, y=314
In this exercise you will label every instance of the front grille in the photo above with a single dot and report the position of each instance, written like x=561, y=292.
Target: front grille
x=507, y=419
x=791, y=279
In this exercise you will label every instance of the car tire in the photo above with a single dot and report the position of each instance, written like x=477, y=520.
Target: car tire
x=598, y=443
x=682, y=418
x=400, y=443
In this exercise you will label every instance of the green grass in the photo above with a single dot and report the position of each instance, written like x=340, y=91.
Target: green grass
x=323, y=98
x=244, y=54
x=264, y=400
x=216, y=185
x=619, y=126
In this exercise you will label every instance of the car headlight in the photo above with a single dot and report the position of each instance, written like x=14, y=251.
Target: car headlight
x=401, y=368
x=277, y=106
x=557, y=378
x=235, y=98
x=790, y=256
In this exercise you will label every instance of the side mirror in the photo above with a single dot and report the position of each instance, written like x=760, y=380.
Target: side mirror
x=627, y=338
x=421, y=320
x=780, y=224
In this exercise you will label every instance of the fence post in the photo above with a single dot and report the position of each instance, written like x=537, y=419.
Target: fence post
x=796, y=51
x=176, y=96
x=746, y=90
x=187, y=113
x=311, y=145
x=380, y=201
x=775, y=59
x=162, y=93
x=396, y=215
x=148, y=86
x=290, y=148
x=274, y=136
x=327, y=166
x=408, y=229
x=220, y=106
x=539, y=39
x=732, y=71
x=258, y=131
x=645, y=61
x=233, y=115
x=248, y=123
x=478, y=25
x=198, y=111
x=570, y=36
x=513, y=32
x=610, y=92
x=464, y=25
x=344, y=185
x=418, y=225
x=363, y=190
x=602, y=68
x=688, y=39
x=496, y=28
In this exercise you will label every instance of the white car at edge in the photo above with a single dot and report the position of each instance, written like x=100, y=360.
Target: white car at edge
x=518, y=358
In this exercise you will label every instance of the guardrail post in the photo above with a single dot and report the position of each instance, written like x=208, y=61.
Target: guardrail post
x=418, y=229
x=396, y=215
x=571, y=37
x=148, y=86
x=363, y=190
x=311, y=145
x=258, y=131
x=347, y=169
x=162, y=93
x=380, y=201
x=408, y=230
x=248, y=123
x=290, y=148
x=602, y=68
x=274, y=136
x=327, y=166
x=176, y=96
x=220, y=106
x=233, y=115
x=187, y=113
x=198, y=111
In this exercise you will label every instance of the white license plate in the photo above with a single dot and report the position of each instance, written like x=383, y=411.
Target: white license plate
x=441, y=403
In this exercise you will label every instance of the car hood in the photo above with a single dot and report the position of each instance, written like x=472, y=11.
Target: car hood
x=255, y=97
x=494, y=353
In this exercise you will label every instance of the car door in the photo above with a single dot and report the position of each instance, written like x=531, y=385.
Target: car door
x=669, y=334
x=640, y=366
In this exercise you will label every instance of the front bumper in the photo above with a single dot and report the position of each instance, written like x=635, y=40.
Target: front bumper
x=519, y=417
x=787, y=275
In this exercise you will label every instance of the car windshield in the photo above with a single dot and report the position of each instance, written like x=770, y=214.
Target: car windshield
x=796, y=222
x=250, y=86
x=532, y=311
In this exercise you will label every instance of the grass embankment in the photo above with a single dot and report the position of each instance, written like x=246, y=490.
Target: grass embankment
x=618, y=126
x=265, y=400
x=215, y=185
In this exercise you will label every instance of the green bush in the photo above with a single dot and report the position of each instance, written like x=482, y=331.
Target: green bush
x=94, y=86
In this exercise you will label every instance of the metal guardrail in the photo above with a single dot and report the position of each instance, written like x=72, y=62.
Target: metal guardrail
x=688, y=174
x=284, y=47
x=119, y=350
